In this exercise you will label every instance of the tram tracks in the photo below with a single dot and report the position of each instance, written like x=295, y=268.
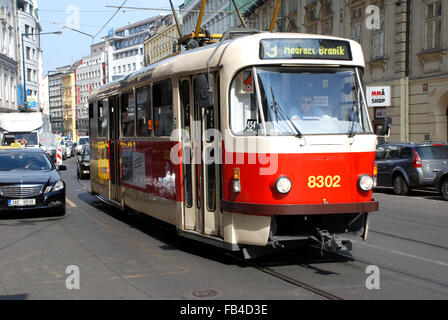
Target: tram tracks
x=353, y=261
x=408, y=239
x=288, y=279
x=348, y=260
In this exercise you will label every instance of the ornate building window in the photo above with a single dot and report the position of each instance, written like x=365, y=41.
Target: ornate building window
x=378, y=41
x=265, y=18
x=311, y=18
x=291, y=10
x=433, y=24
x=326, y=17
x=292, y=6
x=356, y=22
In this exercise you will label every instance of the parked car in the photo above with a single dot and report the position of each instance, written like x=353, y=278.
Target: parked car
x=29, y=180
x=441, y=183
x=83, y=164
x=407, y=165
x=81, y=142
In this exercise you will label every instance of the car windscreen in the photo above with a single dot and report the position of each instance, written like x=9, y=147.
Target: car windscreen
x=83, y=141
x=433, y=152
x=24, y=138
x=24, y=161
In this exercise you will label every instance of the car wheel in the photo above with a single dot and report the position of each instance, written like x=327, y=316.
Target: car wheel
x=400, y=186
x=444, y=189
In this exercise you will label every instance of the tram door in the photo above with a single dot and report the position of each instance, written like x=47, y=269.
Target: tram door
x=114, y=149
x=199, y=166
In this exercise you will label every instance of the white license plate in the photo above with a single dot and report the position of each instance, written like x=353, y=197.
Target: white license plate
x=21, y=202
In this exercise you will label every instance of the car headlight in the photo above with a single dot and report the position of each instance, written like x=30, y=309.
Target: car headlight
x=365, y=182
x=283, y=185
x=57, y=186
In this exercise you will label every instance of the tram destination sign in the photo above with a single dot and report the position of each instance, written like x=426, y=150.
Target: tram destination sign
x=305, y=49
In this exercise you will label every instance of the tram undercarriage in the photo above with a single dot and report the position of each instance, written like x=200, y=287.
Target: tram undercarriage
x=328, y=232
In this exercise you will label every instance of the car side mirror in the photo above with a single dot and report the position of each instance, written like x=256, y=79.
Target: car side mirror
x=61, y=167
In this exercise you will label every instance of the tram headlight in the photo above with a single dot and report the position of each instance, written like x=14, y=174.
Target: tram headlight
x=365, y=182
x=283, y=185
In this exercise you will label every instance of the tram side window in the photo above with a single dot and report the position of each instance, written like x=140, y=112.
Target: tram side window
x=144, y=121
x=244, y=113
x=127, y=115
x=102, y=120
x=163, y=108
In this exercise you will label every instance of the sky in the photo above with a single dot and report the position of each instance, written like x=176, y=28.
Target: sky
x=87, y=16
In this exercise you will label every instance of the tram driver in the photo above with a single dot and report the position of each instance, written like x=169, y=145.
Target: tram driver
x=306, y=109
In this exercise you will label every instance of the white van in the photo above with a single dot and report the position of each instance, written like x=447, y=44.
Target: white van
x=21, y=127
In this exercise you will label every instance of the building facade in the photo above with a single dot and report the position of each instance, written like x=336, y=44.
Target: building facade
x=43, y=97
x=69, y=105
x=163, y=43
x=30, y=53
x=90, y=74
x=219, y=15
x=61, y=91
x=125, y=47
x=405, y=46
x=55, y=101
x=8, y=56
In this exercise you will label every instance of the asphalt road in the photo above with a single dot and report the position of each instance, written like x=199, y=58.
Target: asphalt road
x=96, y=253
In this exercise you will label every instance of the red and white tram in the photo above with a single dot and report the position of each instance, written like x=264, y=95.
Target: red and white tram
x=218, y=141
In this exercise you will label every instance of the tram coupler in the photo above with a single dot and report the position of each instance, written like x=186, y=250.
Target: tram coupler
x=329, y=242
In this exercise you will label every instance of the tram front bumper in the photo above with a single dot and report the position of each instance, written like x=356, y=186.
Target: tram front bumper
x=298, y=209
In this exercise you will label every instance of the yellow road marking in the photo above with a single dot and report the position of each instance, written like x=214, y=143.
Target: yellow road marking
x=71, y=203
x=22, y=258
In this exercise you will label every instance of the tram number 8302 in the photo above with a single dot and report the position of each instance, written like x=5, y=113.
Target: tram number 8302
x=324, y=182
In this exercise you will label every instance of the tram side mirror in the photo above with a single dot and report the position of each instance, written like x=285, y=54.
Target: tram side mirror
x=385, y=127
x=202, y=95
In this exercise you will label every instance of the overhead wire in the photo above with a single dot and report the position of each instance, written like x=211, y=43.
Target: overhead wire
x=111, y=18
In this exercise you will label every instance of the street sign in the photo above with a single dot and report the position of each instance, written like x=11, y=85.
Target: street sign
x=379, y=96
x=32, y=102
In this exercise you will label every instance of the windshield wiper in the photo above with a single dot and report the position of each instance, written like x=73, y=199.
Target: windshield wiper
x=278, y=109
x=354, y=121
x=355, y=115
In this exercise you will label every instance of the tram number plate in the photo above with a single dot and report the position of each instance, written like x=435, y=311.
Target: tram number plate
x=21, y=202
x=324, y=182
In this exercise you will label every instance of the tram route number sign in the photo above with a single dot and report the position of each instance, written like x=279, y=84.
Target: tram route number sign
x=305, y=49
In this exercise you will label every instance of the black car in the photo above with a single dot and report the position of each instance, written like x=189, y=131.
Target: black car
x=441, y=183
x=83, y=167
x=29, y=181
x=407, y=165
